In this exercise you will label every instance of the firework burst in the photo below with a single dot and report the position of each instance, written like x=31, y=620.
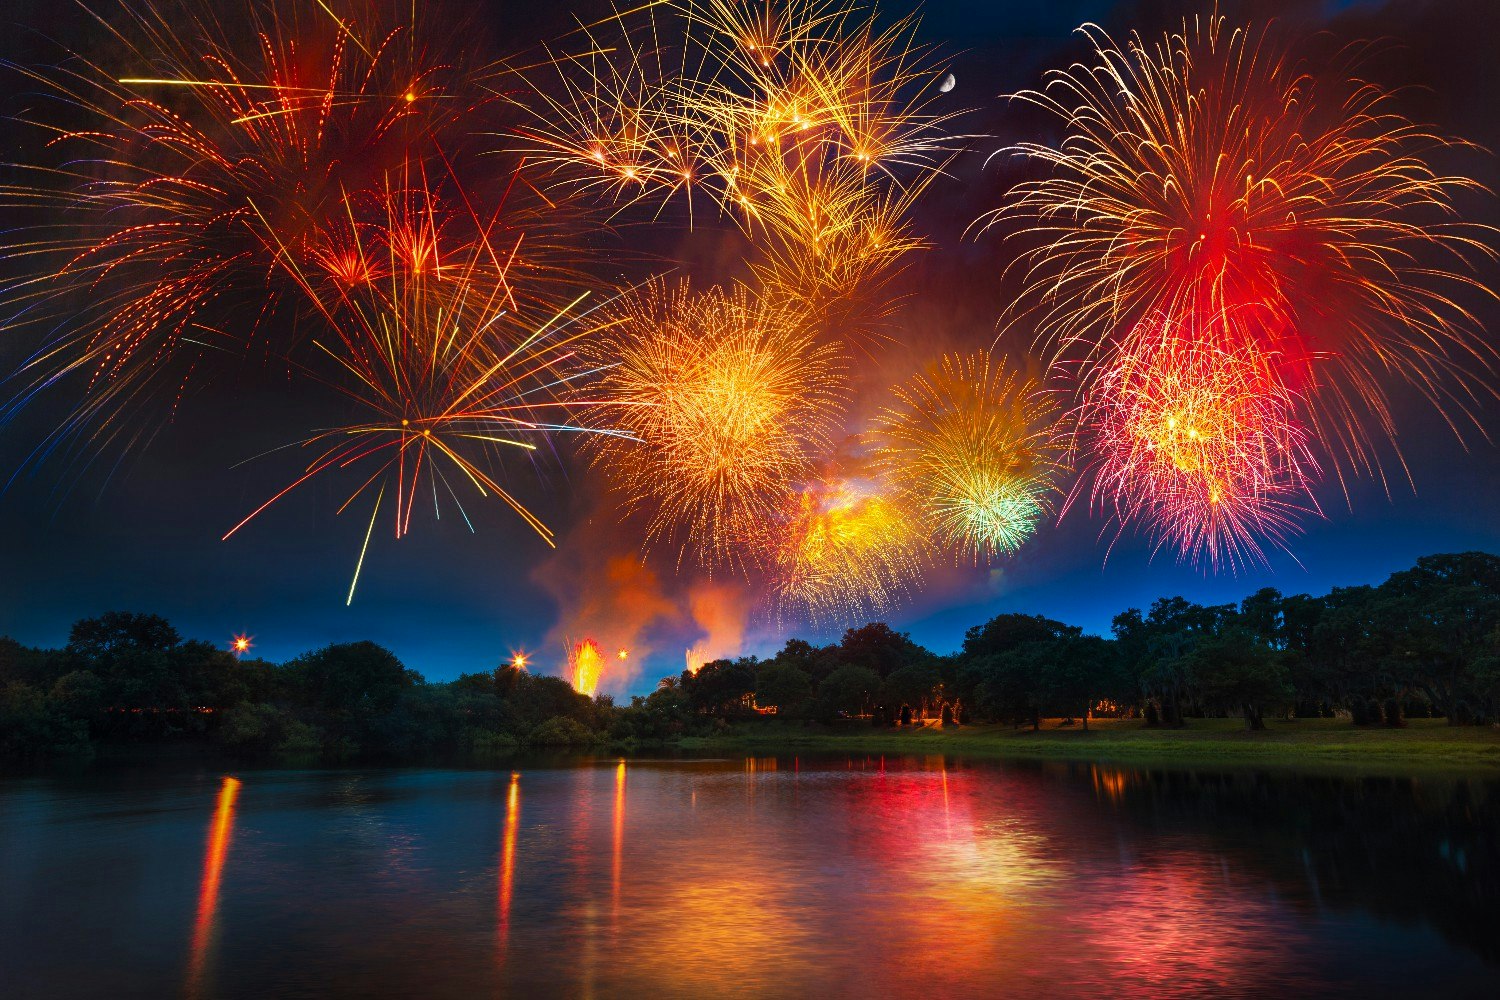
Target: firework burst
x=1209, y=173
x=974, y=451
x=448, y=376
x=806, y=122
x=1198, y=443
x=840, y=549
x=210, y=150
x=836, y=252
x=727, y=400
x=732, y=111
x=585, y=666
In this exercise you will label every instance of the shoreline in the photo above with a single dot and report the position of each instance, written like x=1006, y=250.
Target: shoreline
x=1422, y=747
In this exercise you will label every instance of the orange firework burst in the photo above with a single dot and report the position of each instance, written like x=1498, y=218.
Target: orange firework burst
x=1198, y=443
x=974, y=451
x=1209, y=173
x=721, y=399
x=446, y=376
x=841, y=549
x=810, y=124
x=585, y=666
x=213, y=147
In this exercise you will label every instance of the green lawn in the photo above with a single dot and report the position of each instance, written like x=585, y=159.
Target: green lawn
x=1424, y=745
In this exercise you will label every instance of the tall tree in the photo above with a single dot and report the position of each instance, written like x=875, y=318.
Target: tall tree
x=1238, y=670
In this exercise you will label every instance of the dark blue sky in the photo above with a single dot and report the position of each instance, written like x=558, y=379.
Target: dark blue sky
x=446, y=601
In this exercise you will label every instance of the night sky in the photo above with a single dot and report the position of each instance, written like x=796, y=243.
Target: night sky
x=146, y=536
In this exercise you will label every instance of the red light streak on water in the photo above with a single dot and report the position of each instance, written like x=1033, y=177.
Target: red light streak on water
x=219, y=833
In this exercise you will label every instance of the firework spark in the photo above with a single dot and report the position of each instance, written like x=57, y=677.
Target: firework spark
x=975, y=451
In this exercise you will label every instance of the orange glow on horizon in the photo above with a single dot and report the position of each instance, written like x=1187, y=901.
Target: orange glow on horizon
x=208, y=892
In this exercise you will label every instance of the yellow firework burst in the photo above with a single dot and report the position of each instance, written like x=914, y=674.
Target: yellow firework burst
x=721, y=400
x=975, y=450
x=840, y=549
x=810, y=123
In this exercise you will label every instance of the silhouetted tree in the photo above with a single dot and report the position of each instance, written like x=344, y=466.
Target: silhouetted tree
x=880, y=648
x=849, y=690
x=782, y=686
x=115, y=632
x=917, y=687
x=721, y=688
x=1238, y=670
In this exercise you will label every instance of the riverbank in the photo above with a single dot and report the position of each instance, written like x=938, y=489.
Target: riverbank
x=1424, y=745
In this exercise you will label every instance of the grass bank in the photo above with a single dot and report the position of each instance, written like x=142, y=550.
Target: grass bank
x=1425, y=745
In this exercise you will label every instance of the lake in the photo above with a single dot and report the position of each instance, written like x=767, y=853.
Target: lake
x=776, y=877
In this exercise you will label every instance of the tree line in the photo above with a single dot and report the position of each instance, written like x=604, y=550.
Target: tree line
x=1426, y=642
x=127, y=677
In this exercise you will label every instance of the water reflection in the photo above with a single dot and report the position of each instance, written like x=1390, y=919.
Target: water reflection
x=219, y=832
x=1109, y=782
x=1418, y=852
x=508, y=857
x=619, y=842
x=758, y=877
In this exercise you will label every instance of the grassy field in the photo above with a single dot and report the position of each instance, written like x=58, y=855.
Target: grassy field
x=1425, y=745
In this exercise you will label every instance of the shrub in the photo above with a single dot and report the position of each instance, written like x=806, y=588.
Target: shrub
x=490, y=742
x=560, y=731
x=31, y=726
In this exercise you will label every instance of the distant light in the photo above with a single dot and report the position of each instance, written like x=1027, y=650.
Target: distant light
x=623, y=654
x=240, y=645
x=518, y=661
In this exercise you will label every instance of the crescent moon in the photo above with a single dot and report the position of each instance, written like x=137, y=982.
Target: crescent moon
x=949, y=82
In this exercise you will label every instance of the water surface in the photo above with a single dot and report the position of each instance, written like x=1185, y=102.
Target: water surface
x=768, y=877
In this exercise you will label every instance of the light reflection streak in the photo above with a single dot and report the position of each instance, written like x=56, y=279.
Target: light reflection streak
x=619, y=839
x=947, y=813
x=1110, y=782
x=219, y=833
x=508, y=857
